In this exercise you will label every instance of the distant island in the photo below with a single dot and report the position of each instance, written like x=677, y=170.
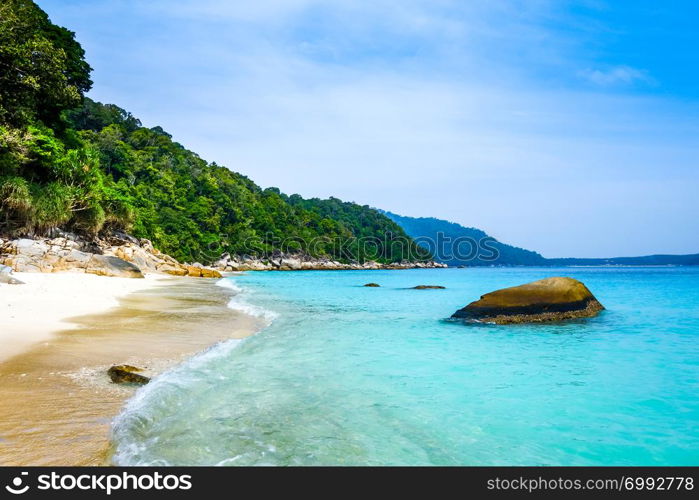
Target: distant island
x=428, y=231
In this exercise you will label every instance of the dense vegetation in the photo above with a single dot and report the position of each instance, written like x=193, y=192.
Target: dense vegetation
x=456, y=245
x=69, y=162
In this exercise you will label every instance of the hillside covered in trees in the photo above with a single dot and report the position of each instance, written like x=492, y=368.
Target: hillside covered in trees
x=456, y=245
x=69, y=162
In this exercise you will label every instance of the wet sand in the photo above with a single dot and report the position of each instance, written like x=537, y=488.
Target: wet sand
x=56, y=400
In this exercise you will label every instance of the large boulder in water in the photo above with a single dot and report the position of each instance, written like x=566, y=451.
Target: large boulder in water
x=551, y=299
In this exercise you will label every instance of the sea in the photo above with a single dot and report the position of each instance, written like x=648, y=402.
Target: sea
x=350, y=375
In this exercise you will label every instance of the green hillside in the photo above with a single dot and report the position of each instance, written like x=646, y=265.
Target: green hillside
x=69, y=162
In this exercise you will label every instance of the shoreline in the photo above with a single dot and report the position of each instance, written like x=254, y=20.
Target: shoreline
x=58, y=400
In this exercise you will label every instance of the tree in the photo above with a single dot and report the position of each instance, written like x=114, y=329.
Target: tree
x=42, y=67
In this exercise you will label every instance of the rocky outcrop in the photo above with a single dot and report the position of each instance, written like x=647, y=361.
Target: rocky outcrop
x=151, y=260
x=6, y=276
x=127, y=374
x=551, y=299
x=62, y=254
x=302, y=262
x=372, y=285
x=118, y=255
x=428, y=287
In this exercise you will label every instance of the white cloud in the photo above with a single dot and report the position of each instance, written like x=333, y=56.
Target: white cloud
x=618, y=75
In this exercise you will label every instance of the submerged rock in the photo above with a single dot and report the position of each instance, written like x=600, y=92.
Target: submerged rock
x=551, y=299
x=127, y=374
x=429, y=287
x=372, y=285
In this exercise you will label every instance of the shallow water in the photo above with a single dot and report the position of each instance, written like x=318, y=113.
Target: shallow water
x=353, y=375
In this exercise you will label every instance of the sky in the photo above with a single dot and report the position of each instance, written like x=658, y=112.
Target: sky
x=566, y=127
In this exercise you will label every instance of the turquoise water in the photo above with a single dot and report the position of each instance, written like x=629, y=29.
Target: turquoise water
x=353, y=375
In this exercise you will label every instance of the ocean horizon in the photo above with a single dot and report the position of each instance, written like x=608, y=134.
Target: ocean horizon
x=348, y=375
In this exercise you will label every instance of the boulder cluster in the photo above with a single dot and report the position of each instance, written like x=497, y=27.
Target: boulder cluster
x=121, y=256
x=62, y=254
x=151, y=260
x=299, y=262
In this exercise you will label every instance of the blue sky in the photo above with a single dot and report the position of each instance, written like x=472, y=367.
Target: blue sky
x=571, y=128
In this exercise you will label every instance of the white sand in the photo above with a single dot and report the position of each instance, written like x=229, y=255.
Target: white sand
x=32, y=312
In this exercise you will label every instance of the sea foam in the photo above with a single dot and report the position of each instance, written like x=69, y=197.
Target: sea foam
x=152, y=401
x=238, y=302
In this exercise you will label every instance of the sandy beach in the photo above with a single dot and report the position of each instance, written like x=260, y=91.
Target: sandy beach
x=61, y=332
x=45, y=304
